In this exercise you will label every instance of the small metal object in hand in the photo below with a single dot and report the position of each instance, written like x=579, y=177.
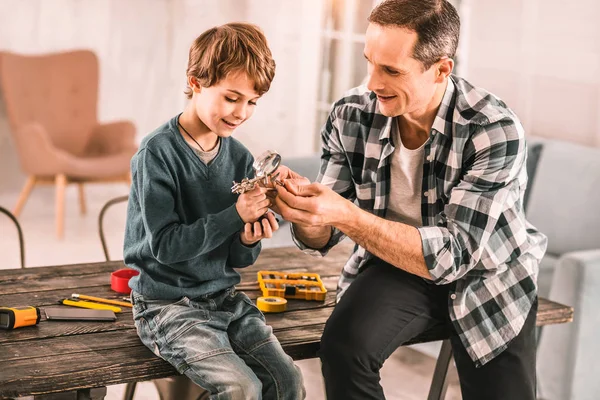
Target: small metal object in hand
x=264, y=166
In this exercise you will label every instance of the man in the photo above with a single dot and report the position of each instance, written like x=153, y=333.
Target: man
x=426, y=174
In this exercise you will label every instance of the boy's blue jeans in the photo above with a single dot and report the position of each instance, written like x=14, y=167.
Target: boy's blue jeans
x=222, y=343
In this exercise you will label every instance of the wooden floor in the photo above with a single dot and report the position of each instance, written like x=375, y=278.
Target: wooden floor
x=405, y=376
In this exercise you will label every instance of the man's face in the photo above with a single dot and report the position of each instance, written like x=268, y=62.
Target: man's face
x=227, y=104
x=400, y=82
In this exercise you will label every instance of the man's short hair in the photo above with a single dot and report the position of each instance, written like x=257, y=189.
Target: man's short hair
x=233, y=47
x=436, y=23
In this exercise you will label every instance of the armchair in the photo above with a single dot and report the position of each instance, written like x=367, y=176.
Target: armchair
x=51, y=102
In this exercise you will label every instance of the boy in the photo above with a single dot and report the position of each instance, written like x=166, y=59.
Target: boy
x=186, y=231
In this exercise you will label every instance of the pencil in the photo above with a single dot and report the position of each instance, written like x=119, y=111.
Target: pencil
x=89, y=304
x=101, y=300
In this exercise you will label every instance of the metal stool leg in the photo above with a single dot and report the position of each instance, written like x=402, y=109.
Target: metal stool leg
x=179, y=387
x=101, y=222
x=439, y=383
x=129, y=391
x=19, y=232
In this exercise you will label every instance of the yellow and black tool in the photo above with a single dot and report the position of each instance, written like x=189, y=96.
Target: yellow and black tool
x=292, y=285
x=17, y=317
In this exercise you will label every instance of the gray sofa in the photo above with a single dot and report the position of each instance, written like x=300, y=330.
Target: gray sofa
x=562, y=201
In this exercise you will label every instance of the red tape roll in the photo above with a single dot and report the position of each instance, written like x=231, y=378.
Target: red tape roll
x=119, y=280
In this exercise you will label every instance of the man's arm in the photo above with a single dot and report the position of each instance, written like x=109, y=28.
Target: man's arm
x=315, y=237
x=318, y=208
x=394, y=242
x=473, y=236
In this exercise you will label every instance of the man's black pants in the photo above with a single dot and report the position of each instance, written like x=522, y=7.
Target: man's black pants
x=386, y=307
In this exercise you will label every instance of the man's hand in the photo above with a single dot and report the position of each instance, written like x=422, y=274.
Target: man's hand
x=252, y=204
x=285, y=175
x=311, y=204
x=263, y=228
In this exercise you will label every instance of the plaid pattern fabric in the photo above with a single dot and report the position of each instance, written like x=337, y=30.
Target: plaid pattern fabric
x=474, y=230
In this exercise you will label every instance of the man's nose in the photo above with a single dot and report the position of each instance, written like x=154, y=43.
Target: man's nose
x=374, y=84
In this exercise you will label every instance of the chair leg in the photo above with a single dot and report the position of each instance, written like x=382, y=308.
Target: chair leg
x=129, y=391
x=179, y=387
x=82, y=199
x=439, y=383
x=61, y=184
x=24, y=195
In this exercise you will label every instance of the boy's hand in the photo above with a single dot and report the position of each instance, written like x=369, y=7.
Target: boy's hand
x=252, y=204
x=263, y=228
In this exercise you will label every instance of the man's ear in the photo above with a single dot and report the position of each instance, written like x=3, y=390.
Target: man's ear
x=444, y=68
x=194, y=84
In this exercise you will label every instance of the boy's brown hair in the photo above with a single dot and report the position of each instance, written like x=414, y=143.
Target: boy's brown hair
x=232, y=47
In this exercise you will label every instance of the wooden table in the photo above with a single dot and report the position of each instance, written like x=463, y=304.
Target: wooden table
x=71, y=357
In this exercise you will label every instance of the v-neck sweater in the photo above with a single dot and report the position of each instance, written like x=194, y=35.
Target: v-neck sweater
x=182, y=230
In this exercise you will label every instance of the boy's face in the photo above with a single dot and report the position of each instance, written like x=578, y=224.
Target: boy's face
x=227, y=104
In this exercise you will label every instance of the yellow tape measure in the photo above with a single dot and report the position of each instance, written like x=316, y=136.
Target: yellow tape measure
x=271, y=304
x=16, y=317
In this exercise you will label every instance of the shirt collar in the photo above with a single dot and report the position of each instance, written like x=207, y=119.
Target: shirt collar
x=440, y=123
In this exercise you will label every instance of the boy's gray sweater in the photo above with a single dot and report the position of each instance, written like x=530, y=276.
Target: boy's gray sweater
x=182, y=231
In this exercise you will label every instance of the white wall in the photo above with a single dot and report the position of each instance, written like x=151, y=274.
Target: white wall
x=143, y=46
x=285, y=118
x=542, y=57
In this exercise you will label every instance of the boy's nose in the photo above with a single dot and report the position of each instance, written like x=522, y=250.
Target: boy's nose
x=240, y=112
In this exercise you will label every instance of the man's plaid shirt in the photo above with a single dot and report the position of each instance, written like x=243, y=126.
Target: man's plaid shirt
x=474, y=230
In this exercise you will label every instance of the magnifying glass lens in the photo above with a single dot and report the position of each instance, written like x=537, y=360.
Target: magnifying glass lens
x=267, y=163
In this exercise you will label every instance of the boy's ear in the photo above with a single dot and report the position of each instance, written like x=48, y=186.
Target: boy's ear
x=194, y=84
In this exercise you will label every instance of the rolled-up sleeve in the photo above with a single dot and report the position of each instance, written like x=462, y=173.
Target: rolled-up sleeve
x=475, y=231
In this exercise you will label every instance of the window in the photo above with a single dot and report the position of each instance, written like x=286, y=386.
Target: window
x=342, y=43
x=342, y=64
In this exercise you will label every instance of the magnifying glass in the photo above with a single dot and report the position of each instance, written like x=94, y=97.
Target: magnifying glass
x=264, y=166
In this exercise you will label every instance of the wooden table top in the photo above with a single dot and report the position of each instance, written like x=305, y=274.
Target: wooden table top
x=64, y=356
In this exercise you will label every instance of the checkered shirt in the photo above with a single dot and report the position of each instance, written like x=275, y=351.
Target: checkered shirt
x=474, y=229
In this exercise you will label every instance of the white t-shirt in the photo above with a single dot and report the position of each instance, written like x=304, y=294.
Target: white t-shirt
x=406, y=182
